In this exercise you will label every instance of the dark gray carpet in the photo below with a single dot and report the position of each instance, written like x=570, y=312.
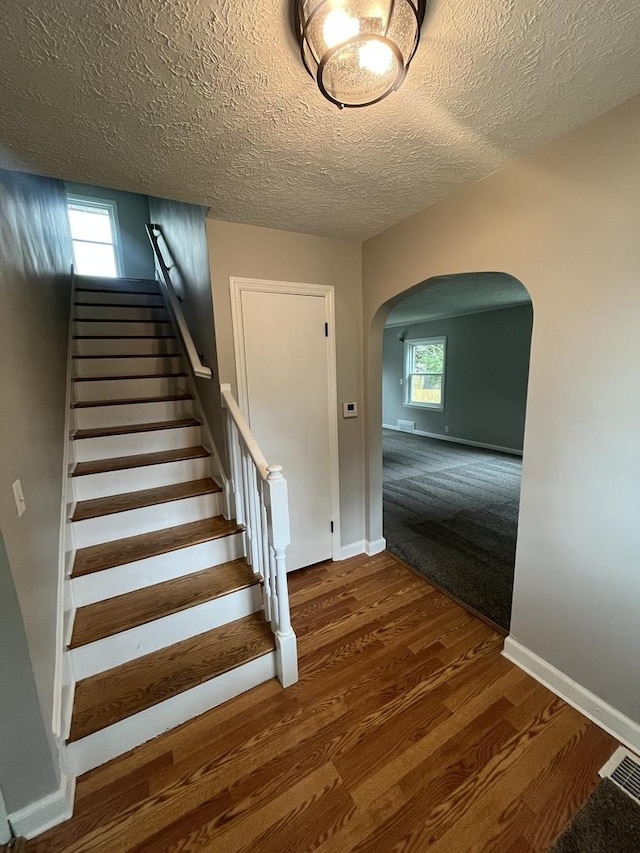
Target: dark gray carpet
x=609, y=822
x=451, y=512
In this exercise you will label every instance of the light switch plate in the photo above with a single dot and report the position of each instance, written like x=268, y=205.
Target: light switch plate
x=19, y=497
x=350, y=410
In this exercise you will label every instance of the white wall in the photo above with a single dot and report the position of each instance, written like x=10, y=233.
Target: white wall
x=247, y=251
x=565, y=222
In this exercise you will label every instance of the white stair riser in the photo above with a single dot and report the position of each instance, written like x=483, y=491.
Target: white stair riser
x=98, y=748
x=120, y=312
x=93, y=417
x=132, y=285
x=118, y=525
x=126, y=389
x=145, y=639
x=124, y=330
x=143, y=573
x=127, y=366
x=116, y=346
x=132, y=443
x=98, y=298
x=134, y=479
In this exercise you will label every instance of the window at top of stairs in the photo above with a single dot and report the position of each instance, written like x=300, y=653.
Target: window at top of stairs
x=95, y=236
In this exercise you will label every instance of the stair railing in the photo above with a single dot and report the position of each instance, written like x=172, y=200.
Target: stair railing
x=261, y=505
x=154, y=232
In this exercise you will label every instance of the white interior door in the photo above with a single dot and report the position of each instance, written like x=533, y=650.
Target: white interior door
x=284, y=355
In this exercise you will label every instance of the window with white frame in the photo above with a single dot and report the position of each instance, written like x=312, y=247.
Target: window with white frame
x=94, y=232
x=425, y=363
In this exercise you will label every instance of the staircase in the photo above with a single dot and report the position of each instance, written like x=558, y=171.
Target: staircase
x=165, y=613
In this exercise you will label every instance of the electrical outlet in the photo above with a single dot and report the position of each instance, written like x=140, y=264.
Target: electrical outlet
x=446, y=429
x=18, y=494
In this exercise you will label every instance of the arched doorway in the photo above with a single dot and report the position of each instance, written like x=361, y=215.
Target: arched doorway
x=455, y=360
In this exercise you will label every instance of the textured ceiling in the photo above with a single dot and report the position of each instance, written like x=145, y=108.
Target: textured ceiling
x=453, y=295
x=207, y=101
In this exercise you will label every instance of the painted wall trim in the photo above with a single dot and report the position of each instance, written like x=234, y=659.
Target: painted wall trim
x=622, y=728
x=374, y=547
x=362, y=546
x=65, y=529
x=351, y=550
x=46, y=813
x=513, y=450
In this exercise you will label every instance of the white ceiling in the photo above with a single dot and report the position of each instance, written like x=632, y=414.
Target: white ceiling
x=454, y=295
x=207, y=101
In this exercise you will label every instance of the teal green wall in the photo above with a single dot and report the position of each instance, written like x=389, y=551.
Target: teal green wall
x=486, y=376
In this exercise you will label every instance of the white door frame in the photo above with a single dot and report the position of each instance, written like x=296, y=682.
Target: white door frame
x=239, y=284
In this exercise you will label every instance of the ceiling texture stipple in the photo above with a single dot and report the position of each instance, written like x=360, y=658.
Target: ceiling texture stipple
x=207, y=101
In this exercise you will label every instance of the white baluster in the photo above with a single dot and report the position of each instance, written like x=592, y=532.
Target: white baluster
x=266, y=562
x=280, y=539
x=236, y=474
x=248, y=527
x=256, y=551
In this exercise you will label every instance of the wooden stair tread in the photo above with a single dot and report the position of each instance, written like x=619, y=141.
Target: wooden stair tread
x=118, y=290
x=166, y=398
x=123, y=304
x=144, y=498
x=124, y=337
x=111, y=696
x=139, y=460
x=102, y=432
x=105, y=618
x=120, y=376
x=107, y=555
x=118, y=320
x=132, y=355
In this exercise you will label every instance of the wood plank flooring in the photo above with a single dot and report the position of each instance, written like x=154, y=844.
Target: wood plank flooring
x=407, y=732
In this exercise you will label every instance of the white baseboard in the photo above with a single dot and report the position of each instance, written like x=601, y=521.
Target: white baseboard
x=352, y=550
x=622, y=728
x=362, y=546
x=482, y=444
x=375, y=547
x=45, y=813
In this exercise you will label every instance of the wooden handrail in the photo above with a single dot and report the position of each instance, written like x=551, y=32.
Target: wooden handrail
x=228, y=401
x=199, y=368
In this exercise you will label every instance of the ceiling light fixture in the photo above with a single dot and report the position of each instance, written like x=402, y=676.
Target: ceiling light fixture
x=358, y=51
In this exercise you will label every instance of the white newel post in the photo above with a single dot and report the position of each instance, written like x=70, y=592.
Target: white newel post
x=280, y=539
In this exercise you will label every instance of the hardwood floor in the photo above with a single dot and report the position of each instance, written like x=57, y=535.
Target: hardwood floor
x=407, y=732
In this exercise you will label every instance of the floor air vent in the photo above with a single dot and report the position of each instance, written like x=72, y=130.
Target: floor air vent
x=623, y=768
x=406, y=426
